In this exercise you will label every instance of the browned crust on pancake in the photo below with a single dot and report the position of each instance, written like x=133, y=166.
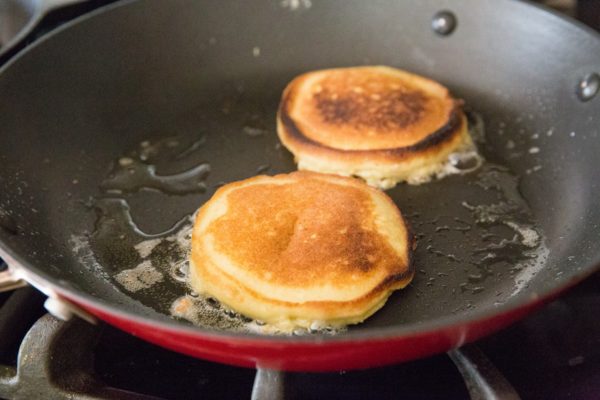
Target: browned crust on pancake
x=297, y=142
x=341, y=309
x=303, y=225
x=381, y=291
x=445, y=134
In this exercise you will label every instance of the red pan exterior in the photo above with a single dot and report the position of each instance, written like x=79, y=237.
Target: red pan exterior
x=314, y=356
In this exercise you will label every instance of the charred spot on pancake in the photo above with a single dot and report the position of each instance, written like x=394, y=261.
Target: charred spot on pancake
x=386, y=110
x=381, y=124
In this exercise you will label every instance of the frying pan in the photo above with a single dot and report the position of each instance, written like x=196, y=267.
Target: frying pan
x=205, y=71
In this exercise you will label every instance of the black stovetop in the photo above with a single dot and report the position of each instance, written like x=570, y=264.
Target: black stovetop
x=553, y=354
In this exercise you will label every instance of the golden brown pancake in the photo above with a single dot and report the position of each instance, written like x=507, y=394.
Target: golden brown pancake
x=300, y=249
x=378, y=123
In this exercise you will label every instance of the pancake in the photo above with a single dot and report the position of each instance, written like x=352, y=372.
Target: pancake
x=378, y=123
x=300, y=250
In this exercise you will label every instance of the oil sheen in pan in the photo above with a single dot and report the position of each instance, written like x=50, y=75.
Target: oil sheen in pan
x=474, y=230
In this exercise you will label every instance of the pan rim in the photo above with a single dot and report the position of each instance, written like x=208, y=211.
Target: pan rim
x=370, y=334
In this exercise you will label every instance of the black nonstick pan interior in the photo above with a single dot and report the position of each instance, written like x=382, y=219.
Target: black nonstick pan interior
x=209, y=76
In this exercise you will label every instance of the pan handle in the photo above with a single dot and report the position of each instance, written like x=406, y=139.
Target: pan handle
x=8, y=281
x=483, y=380
x=15, y=277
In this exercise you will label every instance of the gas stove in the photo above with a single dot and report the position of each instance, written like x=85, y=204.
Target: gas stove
x=553, y=354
